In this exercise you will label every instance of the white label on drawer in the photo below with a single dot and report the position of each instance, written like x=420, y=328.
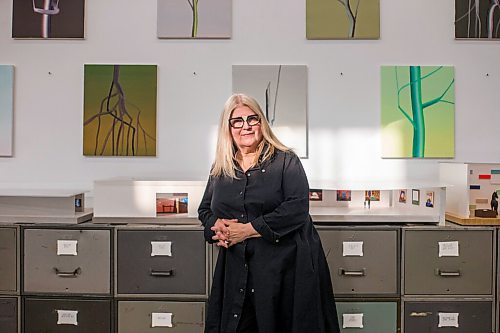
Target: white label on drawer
x=67, y=317
x=161, y=249
x=447, y=319
x=67, y=247
x=448, y=249
x=161, y=319
x=352, y=320
x=352, y=249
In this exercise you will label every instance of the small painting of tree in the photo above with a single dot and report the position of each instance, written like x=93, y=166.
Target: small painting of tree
x=120, y=110
x=418, y=112
x=477, y=19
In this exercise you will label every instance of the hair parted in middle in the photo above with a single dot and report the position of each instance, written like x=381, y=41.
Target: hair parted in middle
x=225, y=154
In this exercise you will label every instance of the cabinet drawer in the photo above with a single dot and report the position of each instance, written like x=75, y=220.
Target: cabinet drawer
x=67, y=261
x=67, y=315
x=448, y=317
x=152, y=316
x=368, y=317
x=362, y=262
x=8, y=260
x=432, y=266
x=8, y=315
x=161, y=262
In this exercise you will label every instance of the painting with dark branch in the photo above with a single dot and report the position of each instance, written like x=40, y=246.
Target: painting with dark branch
x=6, y=109
x=477, y=19
x=194, y=18
x=418, y=111
x=343, y=19
x=120, y=110
x=281, y=91
x=48, y=19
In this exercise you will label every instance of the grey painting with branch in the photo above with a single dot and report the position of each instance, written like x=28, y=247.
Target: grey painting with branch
x=477, y=19
x=270, y=107
x=118, y=129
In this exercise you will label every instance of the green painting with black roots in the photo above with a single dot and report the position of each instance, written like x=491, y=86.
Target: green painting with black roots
x=418, y=111
x=119, y=110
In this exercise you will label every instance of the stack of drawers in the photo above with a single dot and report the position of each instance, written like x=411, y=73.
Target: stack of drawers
x=9, y=280
x=364, y=267
x=448, y=279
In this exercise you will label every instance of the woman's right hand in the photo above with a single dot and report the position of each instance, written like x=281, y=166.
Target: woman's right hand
x=222, y=231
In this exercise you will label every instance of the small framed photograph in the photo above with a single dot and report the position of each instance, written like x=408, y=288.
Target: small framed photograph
x=372, y=195
x=171, y=203
x=429, y=199
x=402, y=196
x=343, y=195
x=315, y=195
x=415, y=197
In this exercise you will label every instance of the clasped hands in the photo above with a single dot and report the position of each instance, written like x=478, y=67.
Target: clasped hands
x=229, y=232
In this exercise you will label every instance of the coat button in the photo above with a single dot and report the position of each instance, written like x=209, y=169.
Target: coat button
x=277, y=241
x=242, y=290
x=263, y=170
x=253, y=290
x=235, y=315
x=242, y=215
x=241, y=193
x=248, y=174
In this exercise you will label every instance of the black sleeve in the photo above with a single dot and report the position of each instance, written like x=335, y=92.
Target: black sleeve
x=205, y=214
x=293, y=212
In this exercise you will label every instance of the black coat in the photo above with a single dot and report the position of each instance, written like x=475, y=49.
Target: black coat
x=286, y=267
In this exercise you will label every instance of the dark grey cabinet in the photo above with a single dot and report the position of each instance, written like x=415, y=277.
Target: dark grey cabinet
x=67, y=315
x=161, y=262
x=155, y=316
x=58, y=261
x=9, y=315
x=448, y=317
x=9, y=256
x=362, y=261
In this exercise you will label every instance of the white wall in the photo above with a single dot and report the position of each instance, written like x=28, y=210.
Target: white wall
x=344, y=112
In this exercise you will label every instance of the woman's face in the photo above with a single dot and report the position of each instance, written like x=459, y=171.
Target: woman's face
x=248, y=136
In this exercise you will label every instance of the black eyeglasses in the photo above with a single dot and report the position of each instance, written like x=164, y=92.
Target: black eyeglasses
x=238, y=122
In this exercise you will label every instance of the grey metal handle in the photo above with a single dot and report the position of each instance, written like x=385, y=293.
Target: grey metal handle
x=343, y=271
x=168, y=273
x=71, y=274
x=448, y=273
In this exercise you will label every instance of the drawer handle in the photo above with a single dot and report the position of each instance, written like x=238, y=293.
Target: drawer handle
x=447, y=273
x=345, y=272
x=72, y=274
x=168, y=273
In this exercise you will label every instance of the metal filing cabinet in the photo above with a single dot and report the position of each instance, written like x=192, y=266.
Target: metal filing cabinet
x=9, y=315
x=448, y=316
x=368, y=317
x=162, y=261
x=76, y=260
x=67, y=315
x=9, y=260
x=448, y=261
x=154, y=316
x=362, y=261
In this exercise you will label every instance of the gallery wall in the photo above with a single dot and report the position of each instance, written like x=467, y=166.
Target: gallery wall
x=194, y=80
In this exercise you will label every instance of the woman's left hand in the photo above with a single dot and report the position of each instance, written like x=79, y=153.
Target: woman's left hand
x=238, y=232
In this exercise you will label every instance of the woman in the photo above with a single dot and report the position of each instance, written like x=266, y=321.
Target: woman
x=271, y=274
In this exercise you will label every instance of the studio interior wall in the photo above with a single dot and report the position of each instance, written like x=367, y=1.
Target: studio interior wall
x=194, y=80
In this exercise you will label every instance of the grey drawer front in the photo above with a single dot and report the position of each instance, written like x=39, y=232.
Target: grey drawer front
x=88, y=272
x=136, y=316
x=184, y=272
x=8, y=260
x=470, y=273
x=376, y=272
x=8, y=315
x=473, y=317
x=41, y=315
x=378, y=317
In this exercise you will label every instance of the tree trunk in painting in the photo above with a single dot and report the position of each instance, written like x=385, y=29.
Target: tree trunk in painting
x=417, y=111
x=351, y=16
x=194, y=8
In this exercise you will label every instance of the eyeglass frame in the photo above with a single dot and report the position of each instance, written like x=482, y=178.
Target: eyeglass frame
x=245, y=120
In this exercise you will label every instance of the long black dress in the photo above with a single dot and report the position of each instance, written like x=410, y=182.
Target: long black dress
x=285, y=268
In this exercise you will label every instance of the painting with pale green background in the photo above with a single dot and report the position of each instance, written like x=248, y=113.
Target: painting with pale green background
x=418, y=111
x=343, y=19
x=119, y=110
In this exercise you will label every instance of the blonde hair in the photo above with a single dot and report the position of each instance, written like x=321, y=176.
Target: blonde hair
x=225, y=155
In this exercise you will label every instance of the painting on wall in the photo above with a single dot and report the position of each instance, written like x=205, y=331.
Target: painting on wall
x=119, y=110
x=429, y=201
x=194, y=18
x=48, y=19
x=477, y=19
x=6, y=109
x=281, y=91
x=415, y=197
x=343, y=19
x=372, y=195
x=402, y=196
x=418, y=111
x=343, y=195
